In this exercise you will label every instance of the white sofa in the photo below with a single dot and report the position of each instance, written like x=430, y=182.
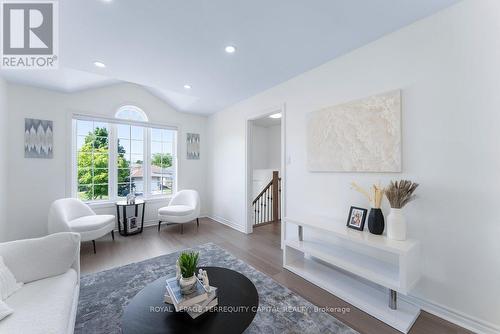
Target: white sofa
x=49, y=267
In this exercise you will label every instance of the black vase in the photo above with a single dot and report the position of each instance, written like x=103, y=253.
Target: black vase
x=376, y=222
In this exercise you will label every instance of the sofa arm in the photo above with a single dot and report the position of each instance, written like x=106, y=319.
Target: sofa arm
x=35, y=259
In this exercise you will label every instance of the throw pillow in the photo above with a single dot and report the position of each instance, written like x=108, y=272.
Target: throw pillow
x=8, y=283
x=5, y=310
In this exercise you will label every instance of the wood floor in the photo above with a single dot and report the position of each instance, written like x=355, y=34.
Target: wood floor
x=260, y=249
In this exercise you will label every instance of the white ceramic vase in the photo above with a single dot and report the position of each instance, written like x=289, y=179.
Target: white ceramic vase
x=187, y=284
x=396, y=225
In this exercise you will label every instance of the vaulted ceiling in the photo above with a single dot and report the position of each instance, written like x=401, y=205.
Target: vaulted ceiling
x=166, y=44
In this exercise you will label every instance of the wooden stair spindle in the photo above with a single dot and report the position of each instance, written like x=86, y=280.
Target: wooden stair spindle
x=275, y=188
x=262, y=217
x=267, y=205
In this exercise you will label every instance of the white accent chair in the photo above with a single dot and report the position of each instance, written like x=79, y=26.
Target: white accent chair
x=183, y=208
x=49, y=267
x=72, y=215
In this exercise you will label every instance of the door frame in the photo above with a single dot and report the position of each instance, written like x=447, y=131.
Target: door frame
x=248, y=164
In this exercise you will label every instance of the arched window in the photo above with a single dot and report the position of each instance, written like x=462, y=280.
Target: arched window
x=131, y=113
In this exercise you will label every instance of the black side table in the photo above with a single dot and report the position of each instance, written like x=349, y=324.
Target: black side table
x=121, y=217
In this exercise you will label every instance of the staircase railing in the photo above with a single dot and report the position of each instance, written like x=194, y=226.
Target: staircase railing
x=267, y=205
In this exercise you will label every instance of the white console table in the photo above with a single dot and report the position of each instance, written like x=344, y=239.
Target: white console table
x=364, y=269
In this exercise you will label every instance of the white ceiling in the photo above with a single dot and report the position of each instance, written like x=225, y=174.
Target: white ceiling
x=164, y=44
x=267, y=121
x=64, y=79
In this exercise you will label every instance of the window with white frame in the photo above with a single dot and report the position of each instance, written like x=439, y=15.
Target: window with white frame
x=131, y=113
x=115, y=157
x=161, y=162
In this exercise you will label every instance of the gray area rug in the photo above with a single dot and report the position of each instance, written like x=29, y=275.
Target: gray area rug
x=104, y=295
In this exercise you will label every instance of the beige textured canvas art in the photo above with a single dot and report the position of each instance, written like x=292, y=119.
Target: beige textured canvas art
x=358, y=136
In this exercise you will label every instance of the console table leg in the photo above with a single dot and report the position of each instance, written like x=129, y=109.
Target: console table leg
x=301, y=234
x=393, y=300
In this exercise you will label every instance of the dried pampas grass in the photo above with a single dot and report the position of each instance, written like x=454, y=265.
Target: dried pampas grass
x=400, y=193
x=374, y=196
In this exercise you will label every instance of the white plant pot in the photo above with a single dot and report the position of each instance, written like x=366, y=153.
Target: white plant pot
x=187, y=284
x=396, y=225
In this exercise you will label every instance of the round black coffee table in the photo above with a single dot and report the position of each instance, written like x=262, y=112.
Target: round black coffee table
x=238, y=301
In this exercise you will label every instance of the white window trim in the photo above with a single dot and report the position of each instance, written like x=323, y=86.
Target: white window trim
x=175, y=160
x=99, y=118
x=72, y=174
x=134, y=108
x=111, y=203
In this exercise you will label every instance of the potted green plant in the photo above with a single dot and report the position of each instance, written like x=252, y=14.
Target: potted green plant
x=188, y=261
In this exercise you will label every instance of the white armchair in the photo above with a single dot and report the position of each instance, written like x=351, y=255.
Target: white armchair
x=49, y=267
x=183, y=208
x=72, y=215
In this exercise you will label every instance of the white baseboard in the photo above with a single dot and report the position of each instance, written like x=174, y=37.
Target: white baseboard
x=149, y=223
x=228, y=223
x=154, y=222
x=458, y=318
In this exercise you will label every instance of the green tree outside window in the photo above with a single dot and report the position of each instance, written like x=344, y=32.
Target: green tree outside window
x=163, y=160
x=93, y=164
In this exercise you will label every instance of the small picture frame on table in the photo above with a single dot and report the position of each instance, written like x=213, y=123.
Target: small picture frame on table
x=132, y=224
x=357, y=217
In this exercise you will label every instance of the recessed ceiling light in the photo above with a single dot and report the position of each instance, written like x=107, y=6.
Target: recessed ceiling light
x=230, y=49
x=278, y=115
x=187, y=86
x=99, y=64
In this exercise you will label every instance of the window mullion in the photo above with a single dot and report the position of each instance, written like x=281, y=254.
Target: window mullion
x=175, y=162
x=74, y=160
x=113, y=162
x=130, y=190
x=147, y=162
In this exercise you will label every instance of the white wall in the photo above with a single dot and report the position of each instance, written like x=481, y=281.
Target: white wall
x=266, y=147
x=259, y=147
x=448, y=68
x=266, y=155
x=260, y=179
x=274, y=147
x=3, y=158
x=35, y=183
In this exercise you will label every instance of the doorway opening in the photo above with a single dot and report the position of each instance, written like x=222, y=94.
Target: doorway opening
x=265, y=171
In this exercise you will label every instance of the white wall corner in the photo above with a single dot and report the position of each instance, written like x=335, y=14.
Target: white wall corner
x=229, y=223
